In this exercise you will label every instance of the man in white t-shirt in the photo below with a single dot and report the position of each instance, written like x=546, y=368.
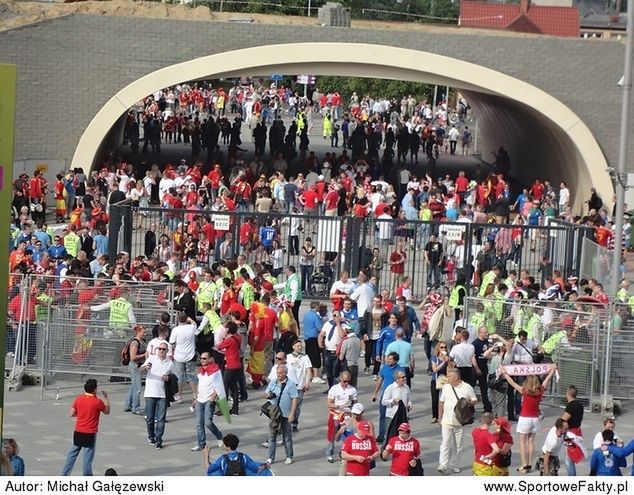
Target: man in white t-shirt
x=463, y=356
x=452, y=430
x=154, y=344
x=549, y=464
x=183, y=339
x=341, y=398
x=363, y=294
x=158, y=370
x=331, y=333
x=300, y=371
x=564, y=197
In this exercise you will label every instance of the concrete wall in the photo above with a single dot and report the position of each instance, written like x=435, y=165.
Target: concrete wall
x=70, y=67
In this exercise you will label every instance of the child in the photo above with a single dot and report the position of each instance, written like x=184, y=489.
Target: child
x=10, y=450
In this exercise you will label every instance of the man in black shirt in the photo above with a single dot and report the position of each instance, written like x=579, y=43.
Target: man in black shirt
x=433, y=257
x=481, y=344
x=573, y=415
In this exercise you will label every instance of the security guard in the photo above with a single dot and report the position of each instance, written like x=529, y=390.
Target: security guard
x=206, y=290
x=489, y=278
x=456, y=298
x=533, y=324
x=121, y=313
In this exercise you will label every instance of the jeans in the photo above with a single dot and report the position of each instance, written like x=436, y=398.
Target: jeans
x=232, y=386
x=155, y=410
x=482, y=381
x=205, y=419
x=433, y=271
x=89, y=455
x=330, y=367
x=571, y=468
x=307, y=271
x=371, y=363
x=133, y=398
x=382, y=426
x=286, y=435
x=298, y=409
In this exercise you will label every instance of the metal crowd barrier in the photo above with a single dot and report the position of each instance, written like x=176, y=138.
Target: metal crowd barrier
x=66, y=338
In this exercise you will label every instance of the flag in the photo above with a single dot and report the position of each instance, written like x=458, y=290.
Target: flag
x=221, y=396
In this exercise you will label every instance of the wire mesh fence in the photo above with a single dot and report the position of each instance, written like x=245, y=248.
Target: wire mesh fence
x=72, y=325
x=596, y=263
x=571, y=334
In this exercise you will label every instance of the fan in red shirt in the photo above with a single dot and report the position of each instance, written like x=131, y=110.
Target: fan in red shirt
x=501, y=441
x=330, y=202
x=404, y=449
x=602, y=234
x=359, y=450
x=537, y=190
x=483, y=451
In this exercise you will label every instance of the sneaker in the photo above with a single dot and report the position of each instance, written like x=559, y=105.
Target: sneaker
x=366, y=371
x=139, y=413
x=362, y=354
x=316, y=379
x=288, y=460
x=294, y=429
x=324, y=378
x=269, y=461
x=330, y=459
x=280, y=441
x=442, y=470
x=151, y=441
x=455, y=470
x=265, y=444
x=159, y=446
x=220, y=444
x=375, y=378
x=234, y=413
x=178, y=399
x=196, y=448
x=127, y=410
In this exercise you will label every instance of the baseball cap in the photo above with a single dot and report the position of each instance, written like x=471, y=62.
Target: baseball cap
x=404, y=427
x=364, y=427
x=357, y=409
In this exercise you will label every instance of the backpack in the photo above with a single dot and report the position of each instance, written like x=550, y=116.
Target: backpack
x=235, y=467
x=125, y=352
x=463, y=410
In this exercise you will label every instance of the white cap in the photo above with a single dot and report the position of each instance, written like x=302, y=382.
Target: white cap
x=357, y=409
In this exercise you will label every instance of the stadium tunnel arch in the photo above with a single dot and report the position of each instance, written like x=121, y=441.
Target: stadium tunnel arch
x=543, y=136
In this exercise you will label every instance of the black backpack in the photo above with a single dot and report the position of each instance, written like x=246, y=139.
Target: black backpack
x=235, y=467
x=463, y=410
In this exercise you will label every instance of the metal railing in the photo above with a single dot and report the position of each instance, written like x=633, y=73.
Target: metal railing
x=596, y=263
x=66, y=337
x=347, y=243
x=574, y=335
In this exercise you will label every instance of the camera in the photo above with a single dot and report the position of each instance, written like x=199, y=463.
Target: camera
x=272, y=396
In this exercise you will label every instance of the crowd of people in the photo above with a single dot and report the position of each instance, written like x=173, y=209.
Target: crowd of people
x=236, y=324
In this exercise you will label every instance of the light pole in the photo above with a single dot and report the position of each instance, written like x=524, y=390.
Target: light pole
x=621, y=175
x=308, y=9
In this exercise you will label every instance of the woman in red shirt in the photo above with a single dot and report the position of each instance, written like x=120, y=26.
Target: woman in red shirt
x=501, y=443
x=228, y=297
x=233, y=364
x=397, y=265
x=528, y=422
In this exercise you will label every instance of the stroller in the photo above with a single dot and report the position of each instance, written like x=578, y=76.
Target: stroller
x=321, y=280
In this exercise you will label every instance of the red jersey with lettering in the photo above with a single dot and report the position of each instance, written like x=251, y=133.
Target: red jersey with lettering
x=365, y=447
x=88, y=407
x=402, y=451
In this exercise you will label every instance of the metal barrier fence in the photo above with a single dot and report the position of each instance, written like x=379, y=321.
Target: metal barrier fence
x=347, y=243
x=596, y=262
x=74, y=329
x=574, y=335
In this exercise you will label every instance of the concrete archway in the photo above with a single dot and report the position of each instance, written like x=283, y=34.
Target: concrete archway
x=545, y=138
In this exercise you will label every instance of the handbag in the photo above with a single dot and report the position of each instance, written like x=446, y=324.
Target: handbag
x=272, y=411
x=496, y=382
x=463, y=411
x=441, y=381
x=417, y=470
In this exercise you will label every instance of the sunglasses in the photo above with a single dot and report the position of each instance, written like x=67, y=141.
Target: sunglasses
x=162, y=348
x=279, y=358
x=442, y=347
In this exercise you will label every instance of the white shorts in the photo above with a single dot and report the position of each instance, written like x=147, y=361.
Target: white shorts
x=527, y=425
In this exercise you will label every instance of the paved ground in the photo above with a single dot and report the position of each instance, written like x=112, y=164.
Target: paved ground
x=44, y=432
